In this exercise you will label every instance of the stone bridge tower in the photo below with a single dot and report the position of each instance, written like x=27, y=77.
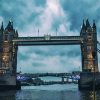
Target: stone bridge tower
x=8, y=51
x=89, y=47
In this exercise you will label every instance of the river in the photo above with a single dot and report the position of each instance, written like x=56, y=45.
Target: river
x=49, y=92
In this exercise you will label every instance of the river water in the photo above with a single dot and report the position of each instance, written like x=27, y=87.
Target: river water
x=49, y=92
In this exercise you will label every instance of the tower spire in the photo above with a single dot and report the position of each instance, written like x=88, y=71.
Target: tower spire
x=83, y=26
x=10, y=25
x=2, y=28
x=16, y=33
x=94, y=25
x=87, y=23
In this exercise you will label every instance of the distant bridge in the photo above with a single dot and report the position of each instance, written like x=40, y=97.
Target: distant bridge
x=35, y=79
x=47, y=74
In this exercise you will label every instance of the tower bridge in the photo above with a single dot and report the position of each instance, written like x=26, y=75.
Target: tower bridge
x=10, y=40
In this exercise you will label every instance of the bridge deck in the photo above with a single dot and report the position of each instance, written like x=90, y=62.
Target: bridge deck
x=48, y=40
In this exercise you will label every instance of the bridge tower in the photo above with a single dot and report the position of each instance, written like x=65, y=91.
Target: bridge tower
x=89, y=47
x=8, y=51
x=8, y=55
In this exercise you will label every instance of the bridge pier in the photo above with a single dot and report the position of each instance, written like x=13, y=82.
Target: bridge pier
x=89, y=80
x=11, y=87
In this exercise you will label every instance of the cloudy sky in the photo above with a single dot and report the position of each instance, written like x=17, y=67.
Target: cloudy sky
x=65, y=16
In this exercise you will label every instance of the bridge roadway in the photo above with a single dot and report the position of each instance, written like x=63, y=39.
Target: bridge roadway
x=48, y=40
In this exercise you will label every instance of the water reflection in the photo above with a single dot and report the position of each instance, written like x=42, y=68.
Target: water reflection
x=7, y=95
x=90, y=95
x=68, y=92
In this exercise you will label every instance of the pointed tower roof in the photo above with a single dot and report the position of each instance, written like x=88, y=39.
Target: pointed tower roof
x=94, y=25
x=2, y=28
x=87, y=23
x=83, y=26
x=16, y=32
x=10, y=25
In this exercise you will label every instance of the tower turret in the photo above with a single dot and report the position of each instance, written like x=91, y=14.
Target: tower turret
x=16, y=34
x=94, y=25
x=2, y=28
x=10, y=26
x=83, y=26
x=83, y=29
x=87, y=24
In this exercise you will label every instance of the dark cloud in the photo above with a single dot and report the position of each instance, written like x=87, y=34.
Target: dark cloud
x=21, y=12
x=79, y=10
